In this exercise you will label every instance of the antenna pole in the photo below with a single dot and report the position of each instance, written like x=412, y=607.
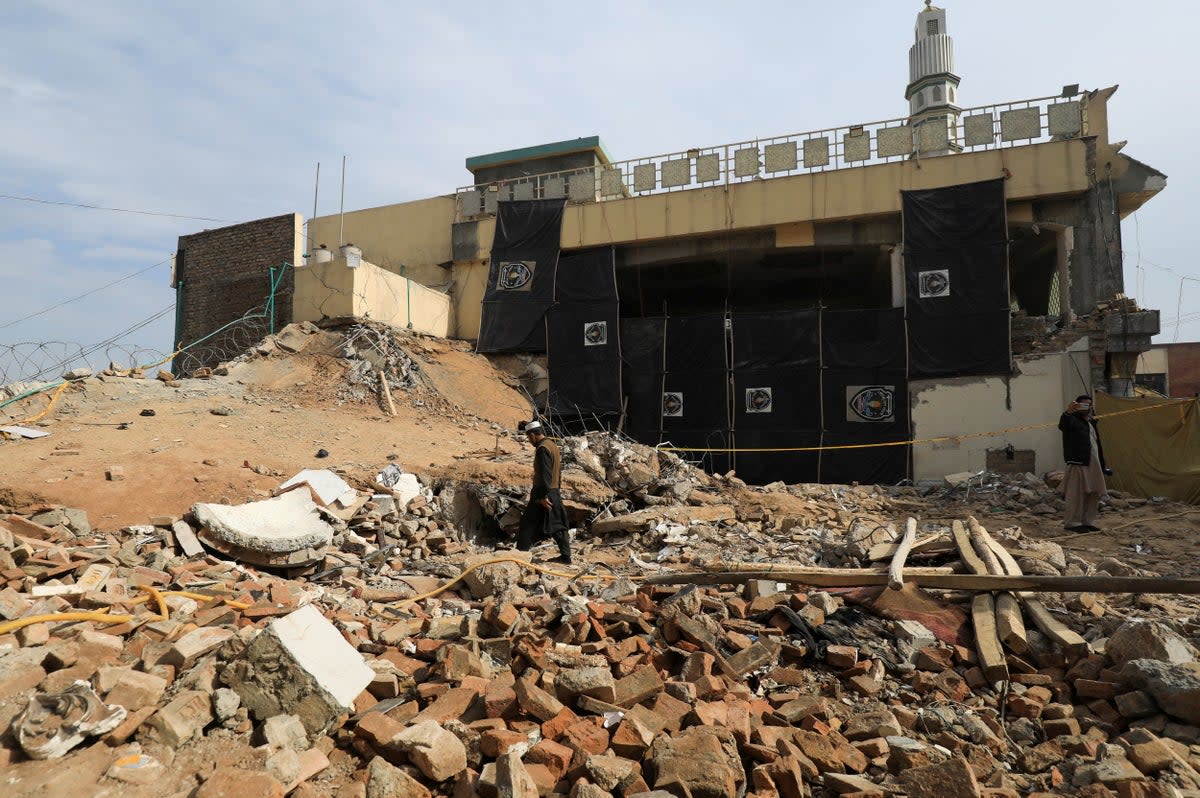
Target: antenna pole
x=342, y=204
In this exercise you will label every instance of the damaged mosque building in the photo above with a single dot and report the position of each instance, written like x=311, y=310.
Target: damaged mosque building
x=798, y=307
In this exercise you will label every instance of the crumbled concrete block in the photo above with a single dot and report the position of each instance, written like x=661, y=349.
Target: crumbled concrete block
x=300, y=664
x=436, y=752
x=183, y=718
x=195, y=644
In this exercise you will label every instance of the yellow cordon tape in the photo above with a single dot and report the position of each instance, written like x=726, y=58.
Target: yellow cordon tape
x=938, y=439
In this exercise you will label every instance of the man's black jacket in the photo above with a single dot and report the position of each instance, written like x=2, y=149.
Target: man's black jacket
x=1077, y=442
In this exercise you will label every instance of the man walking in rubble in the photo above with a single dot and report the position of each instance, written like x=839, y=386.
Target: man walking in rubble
x=1083, y=484
x=544, y=516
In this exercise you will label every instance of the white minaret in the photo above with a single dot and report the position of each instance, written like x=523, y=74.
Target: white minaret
x=932, y=85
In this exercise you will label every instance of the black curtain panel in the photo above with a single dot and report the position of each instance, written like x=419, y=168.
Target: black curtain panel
x=956, y=275
x=583, y=341
x=520, y=288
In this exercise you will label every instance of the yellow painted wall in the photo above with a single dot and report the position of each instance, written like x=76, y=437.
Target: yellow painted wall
x=323, y=290
x=470, y=280
x=790, y=204
x=331, y=289
x=1038, y=170
x=414, y=234
x=971, y=405
x=1153, y=361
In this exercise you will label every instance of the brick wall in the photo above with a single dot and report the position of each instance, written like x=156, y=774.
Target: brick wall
x=220, y=276
x=1183, y=369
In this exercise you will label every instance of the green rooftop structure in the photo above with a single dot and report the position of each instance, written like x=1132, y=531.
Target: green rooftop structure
x=555, y=156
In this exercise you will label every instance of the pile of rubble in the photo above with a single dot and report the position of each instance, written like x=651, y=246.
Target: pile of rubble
x=379, y=650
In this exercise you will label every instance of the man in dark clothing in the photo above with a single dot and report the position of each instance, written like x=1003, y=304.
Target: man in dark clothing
x=544, y=517
x=1083, y=484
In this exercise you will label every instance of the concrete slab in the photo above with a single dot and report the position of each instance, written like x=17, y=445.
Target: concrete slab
x=283, y=524
x=326, y=486
x=313, y=672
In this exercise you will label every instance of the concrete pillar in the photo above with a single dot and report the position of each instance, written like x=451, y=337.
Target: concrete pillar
x=1065, y=240
x=897, y=277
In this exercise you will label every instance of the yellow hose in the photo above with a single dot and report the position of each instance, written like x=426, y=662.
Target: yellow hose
x=59, y=617
x=54, y=397
x=102, y=616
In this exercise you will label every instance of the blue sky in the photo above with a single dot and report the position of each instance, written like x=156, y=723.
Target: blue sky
x=222, y=110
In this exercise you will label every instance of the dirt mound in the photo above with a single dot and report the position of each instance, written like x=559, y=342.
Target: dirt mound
x=229, y=435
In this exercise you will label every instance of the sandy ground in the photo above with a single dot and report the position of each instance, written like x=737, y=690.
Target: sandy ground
x=281, y=411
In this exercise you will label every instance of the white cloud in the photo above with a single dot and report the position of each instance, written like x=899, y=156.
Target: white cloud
x=222, y=109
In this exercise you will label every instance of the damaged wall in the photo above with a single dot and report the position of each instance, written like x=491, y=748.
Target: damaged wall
x=415, y=235
x=221, y=274
x=965, y=405
x=368, y=291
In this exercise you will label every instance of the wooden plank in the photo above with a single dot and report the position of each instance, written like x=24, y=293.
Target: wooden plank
x=387, y=393
x=1009, y=623
x=927, y=545
x=1053, y=628
x=979, y=541
x=966, y=550
x=1007, y=562
x=939, y=578
x=987, y=643
x=896, y=569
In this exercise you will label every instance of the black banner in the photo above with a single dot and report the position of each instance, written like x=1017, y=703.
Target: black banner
x=883, y=465
x=790, y=338
x=796, y=380
x=765, y=465
x=583, y=336
x=520, y=285
x=956, y=275
x=642, y=342
x=863, y=339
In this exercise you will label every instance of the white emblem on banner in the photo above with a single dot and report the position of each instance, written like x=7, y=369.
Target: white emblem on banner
x=673, y=404
x=870, y=403
x=933, y=284
x=595, y=333
x=759, y=400
x=515, y=275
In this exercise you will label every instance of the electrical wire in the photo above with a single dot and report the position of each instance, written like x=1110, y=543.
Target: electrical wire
x=112, y=339
x=117, y=281
x=40, y=201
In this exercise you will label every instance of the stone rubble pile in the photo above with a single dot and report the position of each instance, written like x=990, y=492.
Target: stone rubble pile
x=1020, y=492
x=520, y=680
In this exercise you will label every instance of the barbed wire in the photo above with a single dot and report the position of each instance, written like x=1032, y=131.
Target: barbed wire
x=235, y=339
x=34, y=361
x=30, y=361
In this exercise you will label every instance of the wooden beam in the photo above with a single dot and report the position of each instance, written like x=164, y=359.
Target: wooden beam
x=1009, y=623
x=966, y=550
x=896, y=569
x=929, y=544
x=987, y=643
x=387, y=393
x=940, y=578
x=979, y=541
x=1054, y=629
